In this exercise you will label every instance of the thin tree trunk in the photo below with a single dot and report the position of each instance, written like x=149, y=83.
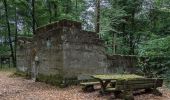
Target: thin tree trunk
x=33, y=16
x=16, y=36
x=131, y=52
x=114, y=43
x=76, y=11
x=9, y=32
x=97, y=16
x=55, y=10
x=132, y=47
x=50, y=12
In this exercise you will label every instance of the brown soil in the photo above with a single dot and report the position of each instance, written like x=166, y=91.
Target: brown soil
x=15, y=88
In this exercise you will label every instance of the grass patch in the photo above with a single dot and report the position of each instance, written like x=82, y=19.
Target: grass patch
x=7, y=69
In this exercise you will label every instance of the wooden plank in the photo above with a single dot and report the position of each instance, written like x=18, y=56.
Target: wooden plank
x=89, y=83
x=116, y=77
x=140, y=81
x=138, y=84
x=113, y=81
x=143, y=82
x=110, y=89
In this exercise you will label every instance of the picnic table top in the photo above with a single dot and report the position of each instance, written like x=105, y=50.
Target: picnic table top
x=117, y=77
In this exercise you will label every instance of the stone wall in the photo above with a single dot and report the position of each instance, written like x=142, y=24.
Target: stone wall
x=63, y=48
x=24, y=56
x=49, y=51
x=122, y=63
x=83, y=53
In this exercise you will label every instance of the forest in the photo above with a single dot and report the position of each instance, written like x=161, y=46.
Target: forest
x=130, y=27
x=138, y=28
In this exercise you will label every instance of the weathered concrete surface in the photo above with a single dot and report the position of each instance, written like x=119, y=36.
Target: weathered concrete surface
x=83, y=53
x=24, y=56
x=63, y=48
x=122, y=63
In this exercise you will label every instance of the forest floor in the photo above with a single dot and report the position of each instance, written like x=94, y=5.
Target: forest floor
x=17, y=88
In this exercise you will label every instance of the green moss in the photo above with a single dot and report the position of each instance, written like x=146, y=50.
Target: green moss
x=55, y=80
x=71, y=81
x=118, y=76
x=21, y=74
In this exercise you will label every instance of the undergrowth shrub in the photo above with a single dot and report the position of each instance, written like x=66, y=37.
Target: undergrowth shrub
x=154, y=66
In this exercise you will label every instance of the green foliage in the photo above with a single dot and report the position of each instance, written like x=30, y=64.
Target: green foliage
x=157, y=47
x=4, y=50
x=124, y=18
x=46, y=11
x=154, y=66
x=160, y=16
x=134, y=22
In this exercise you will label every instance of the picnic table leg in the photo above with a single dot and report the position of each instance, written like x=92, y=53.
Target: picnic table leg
x=157, y=92
x=103, y=86
x=128, y=92
x=128, y=95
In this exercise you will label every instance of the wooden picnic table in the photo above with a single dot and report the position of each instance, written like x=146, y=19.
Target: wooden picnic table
x=106, y=79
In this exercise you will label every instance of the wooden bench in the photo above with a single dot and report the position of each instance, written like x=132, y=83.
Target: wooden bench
x=89, y=86
x=128, y=86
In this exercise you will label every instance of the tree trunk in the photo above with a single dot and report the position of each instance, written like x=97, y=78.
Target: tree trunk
x=16, y=36
x=97, y=16
x=55, y=10
x=33, y=16
x=76, y=11
x=50, y=12
x=9, y=32
x=131, y=52
x=68, y=8
x=114, y=43
x=132, y=46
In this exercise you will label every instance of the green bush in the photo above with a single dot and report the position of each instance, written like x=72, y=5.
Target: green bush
x=154, y=66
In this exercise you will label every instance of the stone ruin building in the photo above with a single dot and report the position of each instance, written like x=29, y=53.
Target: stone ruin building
x=24, y=46
x=63, y=48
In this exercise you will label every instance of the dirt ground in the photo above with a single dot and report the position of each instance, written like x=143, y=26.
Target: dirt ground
x=15, y=88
